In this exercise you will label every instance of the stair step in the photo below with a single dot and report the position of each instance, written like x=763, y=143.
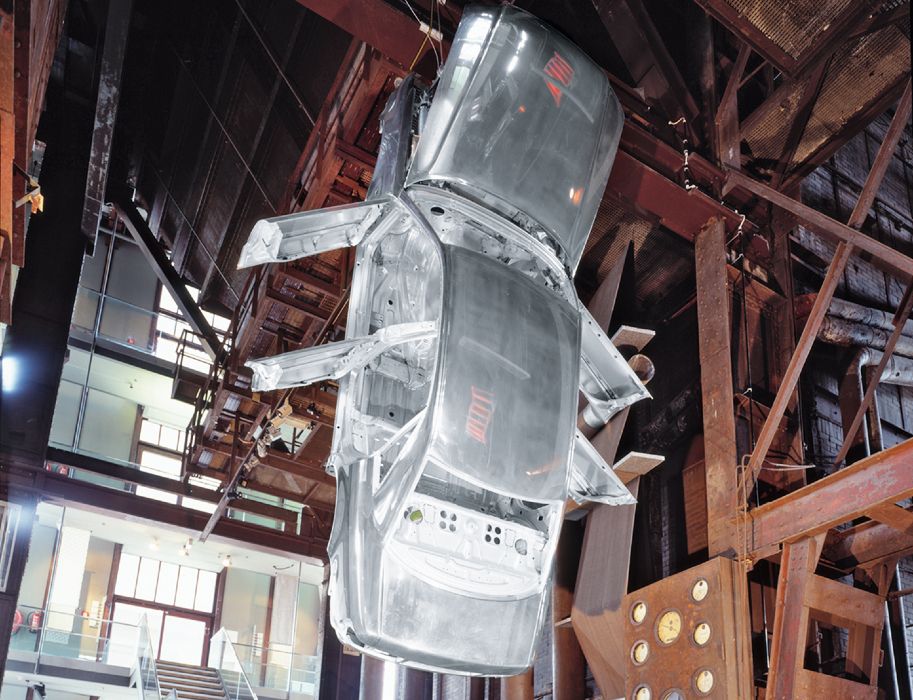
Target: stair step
x=198, y=673
x=202, y=683
x=184, y=693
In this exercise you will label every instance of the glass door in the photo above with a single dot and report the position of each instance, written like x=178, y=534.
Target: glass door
x=183, y=639
x=122, y=639
x=175, y=636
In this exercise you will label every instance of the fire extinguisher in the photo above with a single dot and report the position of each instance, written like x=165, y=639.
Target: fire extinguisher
x=34, y=621
x=17, y=621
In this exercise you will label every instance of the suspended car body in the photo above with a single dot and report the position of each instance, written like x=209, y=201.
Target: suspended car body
x=455, y=447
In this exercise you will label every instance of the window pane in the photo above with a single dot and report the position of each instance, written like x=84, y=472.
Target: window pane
x=206, y=591
x=160, y=463
x=168, y=438
x=197, y=504
x=166, y=349
x=168, y=580
x=187, y=586
x=147, y=579
x=149, y=432
x=164, y=324
x=156, y=494
x=166, y=303
x=126, y=575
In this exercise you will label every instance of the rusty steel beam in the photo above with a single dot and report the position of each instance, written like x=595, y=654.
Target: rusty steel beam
x=797, y=363
x=117, y=27
x=883, y=256
x=787, y=653
x=900, y=318
x=726, y=120
x=646, y=190
x=866, y=544
x=714, y=336
x=885, y=477
x=395, y=34
x=843, y=135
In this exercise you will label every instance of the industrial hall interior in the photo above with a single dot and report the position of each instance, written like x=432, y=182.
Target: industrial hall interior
x=451, y=350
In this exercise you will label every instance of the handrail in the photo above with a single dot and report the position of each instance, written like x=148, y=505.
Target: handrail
x=224, y=658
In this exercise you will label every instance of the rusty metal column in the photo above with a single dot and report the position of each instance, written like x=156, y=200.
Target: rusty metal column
x=791, y=617
x=714, y=338
x=518, y=687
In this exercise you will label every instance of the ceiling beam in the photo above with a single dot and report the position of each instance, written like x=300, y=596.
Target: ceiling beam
x=393, y=33
x=648, y=61
x=137, y=477
x=117, y=28
x=60, y=488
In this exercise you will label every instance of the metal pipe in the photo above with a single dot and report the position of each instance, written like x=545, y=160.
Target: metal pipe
x=898, y=371
x=907, y=688
x=888, y=643
x=856, y=313
x=853, y=333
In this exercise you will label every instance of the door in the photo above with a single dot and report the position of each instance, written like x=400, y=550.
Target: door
x=174, y=636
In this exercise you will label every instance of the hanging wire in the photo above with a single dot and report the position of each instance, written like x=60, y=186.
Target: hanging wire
x=223, y=128
x=428, y=32
x=193, y=232
x=686, y=152
x=275, y=62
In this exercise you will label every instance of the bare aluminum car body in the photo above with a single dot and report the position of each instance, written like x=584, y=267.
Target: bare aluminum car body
x=455, y=446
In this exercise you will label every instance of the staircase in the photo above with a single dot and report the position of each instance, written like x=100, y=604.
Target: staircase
x=190, y=682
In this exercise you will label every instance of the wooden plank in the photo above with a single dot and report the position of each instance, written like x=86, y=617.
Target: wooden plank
x=602, y=582
x=885, y=477
x=791, y=619
x=882, y=160
x=714, y=337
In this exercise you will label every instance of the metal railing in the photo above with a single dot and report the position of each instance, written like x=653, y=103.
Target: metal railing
x=147, y=682
x=279, y=669
x=248, y=303
x=224, y=658
x=55, y=635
